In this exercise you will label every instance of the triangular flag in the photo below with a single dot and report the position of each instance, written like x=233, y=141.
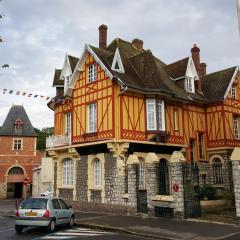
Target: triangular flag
x=11, y=91
x=18, y=92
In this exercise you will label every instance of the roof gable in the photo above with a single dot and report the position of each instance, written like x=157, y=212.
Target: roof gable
x=215, y=86
x=117, y=62
x=16, y=113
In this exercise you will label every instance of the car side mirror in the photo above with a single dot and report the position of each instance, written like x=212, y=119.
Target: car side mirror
x=70, y=206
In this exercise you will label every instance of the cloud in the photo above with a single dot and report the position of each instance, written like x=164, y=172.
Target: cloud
x=38, y=33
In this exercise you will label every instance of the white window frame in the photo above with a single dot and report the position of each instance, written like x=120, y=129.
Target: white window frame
x=189, y=84
x=97, y=173
x=161, y=115
x=68, y=123
x=151, y=114
x=17, y=142
x=67, y=172
x=92, y=72
x=217, y=171
x=92, y=117
x=236, y=127
x=234, y=92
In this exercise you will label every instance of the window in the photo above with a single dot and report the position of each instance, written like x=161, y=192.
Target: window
x=155, y=115
x=151, y=114
x=63, y=204
x=34, y=203
x=97, y=173
x=17, y=144
x=141, y=174
x=92, y=118
x=163, y=177
x=217, y=171
x=234, y=92
x=16, y=171
x=192, y=150
x=68, y=123
x=161, y=117
x=56, y=204
x=175, y=116
x=201, y=145
x=236, y=127
x=92, y=73
x=18, y=127
x=67, y=172
x=189, y=84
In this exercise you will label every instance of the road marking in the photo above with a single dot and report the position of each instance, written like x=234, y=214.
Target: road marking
x=75, y=232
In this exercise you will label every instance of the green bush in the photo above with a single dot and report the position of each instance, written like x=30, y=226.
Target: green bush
x=228, y=195
x=208, y=192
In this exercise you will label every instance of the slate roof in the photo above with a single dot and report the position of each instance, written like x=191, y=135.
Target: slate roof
x=73, y=62
x=143, y=71
x=177, y=69
x=17, y=112
x=214, y=85
x=56, y=79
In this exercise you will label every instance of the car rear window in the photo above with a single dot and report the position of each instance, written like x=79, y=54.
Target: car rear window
x=34, y=203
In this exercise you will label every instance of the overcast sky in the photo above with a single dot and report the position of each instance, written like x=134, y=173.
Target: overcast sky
x=38, y=33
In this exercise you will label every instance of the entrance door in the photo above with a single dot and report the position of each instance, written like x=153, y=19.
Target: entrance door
x=18, y=190
x=141, y=194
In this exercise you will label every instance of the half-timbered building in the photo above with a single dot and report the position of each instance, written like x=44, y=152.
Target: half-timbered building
x=122, y=117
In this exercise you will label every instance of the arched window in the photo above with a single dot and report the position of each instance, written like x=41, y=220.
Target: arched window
x=141, y=174
x=67, y=172
x=163, y=177
x=16, y=171
x=97, y=173
x=18, y=126
x=217, y=171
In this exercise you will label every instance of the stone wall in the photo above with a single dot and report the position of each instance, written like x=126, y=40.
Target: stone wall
x=54, y=179
x=3, y=190
x=81, y=178
x=96, y=196
x=66, y=194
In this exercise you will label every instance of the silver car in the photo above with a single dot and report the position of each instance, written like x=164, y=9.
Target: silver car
x=43, y=212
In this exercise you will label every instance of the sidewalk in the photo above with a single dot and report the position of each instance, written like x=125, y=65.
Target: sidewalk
x=157, y=228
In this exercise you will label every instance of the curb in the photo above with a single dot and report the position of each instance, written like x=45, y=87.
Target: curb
x=121, y=230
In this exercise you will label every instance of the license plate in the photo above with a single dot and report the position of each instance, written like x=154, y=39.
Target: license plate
x=31, y=214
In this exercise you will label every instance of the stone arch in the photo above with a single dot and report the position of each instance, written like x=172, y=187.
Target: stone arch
x=216, y=156
x=217, y=163
x=16, y=166
x=163, y=177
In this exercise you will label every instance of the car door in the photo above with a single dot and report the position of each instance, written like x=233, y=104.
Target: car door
x=66, y=211
x=57, y=211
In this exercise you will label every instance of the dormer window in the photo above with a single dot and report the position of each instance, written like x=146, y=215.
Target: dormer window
x=234, y=93
x=189, y=84
x=92, y=73
x=18, y=127
x=117, y=63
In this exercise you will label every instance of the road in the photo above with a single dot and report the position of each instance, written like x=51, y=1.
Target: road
x=7, y=232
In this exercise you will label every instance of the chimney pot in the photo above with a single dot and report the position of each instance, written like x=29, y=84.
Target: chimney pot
x=102, y=36
x=196, y=56
x=138, y=44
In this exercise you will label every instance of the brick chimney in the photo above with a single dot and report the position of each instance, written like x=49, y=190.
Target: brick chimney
x=138, y=44
x=196, y=57
x=102, y=36
x=203, y=69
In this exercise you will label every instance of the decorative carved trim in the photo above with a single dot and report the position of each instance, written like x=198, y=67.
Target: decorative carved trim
x=73, y=153
x=53, y=154
x=118, y=149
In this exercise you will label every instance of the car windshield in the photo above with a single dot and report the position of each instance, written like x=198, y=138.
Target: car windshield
x=34, y=203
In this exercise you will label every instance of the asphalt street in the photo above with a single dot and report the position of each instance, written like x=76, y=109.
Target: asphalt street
x=7, y=232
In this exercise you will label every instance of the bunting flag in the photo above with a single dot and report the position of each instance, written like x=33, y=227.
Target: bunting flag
x=21, y=93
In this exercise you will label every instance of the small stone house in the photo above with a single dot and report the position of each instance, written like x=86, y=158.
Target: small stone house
x=125, y=121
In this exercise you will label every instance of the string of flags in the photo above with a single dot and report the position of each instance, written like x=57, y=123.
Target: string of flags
x=27, y=94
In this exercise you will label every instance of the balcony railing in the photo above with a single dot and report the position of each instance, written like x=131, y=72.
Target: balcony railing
x=58, y=141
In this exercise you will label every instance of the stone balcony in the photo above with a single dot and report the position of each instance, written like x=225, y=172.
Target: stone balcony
x=58, y=141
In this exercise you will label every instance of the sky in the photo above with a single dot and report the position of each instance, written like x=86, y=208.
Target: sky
x=38, y=33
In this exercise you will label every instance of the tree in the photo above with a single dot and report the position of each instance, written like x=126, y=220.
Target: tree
x=41, y=137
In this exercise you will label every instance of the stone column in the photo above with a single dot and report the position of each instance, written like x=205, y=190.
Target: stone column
x=235, y=158
x=132, y=200
x=176, y=181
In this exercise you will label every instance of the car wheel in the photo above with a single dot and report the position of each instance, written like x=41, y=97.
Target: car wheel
x=18, y=229
x=51, y=226
x=71, y=223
